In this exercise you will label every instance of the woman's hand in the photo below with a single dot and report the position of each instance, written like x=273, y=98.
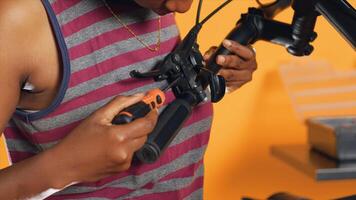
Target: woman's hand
x=237, y=69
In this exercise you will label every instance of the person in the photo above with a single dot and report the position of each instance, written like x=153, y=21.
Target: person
x=64, y=75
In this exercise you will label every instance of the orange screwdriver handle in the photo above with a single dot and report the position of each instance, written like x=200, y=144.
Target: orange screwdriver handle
x=152, y=100
x=155, y=98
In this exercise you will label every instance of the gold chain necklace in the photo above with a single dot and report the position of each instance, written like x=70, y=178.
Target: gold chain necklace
x=158, y=44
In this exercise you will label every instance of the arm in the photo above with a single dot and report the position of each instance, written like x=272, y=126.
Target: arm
x=56, y=168
x=12, y=73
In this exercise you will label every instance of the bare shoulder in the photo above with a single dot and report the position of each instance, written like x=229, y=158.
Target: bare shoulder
x=19, y=14
x=20, y=23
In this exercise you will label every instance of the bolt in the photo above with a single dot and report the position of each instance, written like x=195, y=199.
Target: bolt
x=176, y=58
x=308, y=50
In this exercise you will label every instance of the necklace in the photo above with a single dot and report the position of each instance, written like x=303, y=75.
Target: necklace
x=117, y=17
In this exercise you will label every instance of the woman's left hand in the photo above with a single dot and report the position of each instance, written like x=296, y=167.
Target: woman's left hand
x=237, y=69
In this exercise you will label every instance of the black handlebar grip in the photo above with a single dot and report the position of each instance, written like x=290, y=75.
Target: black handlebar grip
x=169, y=124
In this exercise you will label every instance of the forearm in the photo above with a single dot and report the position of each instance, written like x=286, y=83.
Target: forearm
x=74, y=159
x=32, y=177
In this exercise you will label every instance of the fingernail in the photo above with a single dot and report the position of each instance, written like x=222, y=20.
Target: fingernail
x=221, y=59
x=227, y=43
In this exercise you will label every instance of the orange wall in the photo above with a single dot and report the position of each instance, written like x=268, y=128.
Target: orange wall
x=3, y=156
x=247, y=122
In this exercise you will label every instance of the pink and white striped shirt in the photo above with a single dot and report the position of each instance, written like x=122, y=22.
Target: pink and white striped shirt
x=97, y=55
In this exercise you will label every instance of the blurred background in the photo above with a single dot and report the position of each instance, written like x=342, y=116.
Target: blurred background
x=265, y=112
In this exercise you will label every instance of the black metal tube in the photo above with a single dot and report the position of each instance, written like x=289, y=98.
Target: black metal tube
x=276, y=32
x=304, y=20
x=341, y=15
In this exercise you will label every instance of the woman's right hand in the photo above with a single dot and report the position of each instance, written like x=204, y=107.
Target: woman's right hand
x=97, y=148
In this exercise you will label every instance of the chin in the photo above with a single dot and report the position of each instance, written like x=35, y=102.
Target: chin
x=162, y=11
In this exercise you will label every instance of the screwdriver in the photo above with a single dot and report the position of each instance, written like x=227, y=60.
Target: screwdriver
x=152, y=100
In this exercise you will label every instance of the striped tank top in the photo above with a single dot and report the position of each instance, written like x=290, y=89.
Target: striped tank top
x=97, y=54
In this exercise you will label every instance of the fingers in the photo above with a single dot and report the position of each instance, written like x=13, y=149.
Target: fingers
x=138, y=128
x=111, y=109
x=130, y=137
x=231, y=61
x=232, y=75
x=238, y=67
x=235, y=62
x=244, y=52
